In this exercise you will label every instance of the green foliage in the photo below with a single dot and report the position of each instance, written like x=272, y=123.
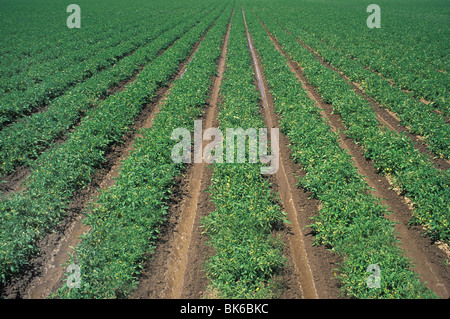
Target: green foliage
x=125, y=219
x=50, y=60
x=71, y=72
x=27, y=216
x=351, y=221
x=22, y=142
x=247, y=256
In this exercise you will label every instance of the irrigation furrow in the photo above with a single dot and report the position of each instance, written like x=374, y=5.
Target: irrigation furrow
x=286, y=183
x=182, y=253
x=192, y=206
x=426, y=256
x=47, y=270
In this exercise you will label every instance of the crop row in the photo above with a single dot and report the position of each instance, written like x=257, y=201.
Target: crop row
x=388, y=88
x=48, y=50
x=17, y=77
x=124, y=222
x=392, y=153
x=418, y=117
x=27, y=216
x=247, y=256
x=77, y=68
x=21, y=142
x=407, y=49
x=351, y=221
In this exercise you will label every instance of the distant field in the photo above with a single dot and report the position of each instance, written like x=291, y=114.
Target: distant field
x=348, y=196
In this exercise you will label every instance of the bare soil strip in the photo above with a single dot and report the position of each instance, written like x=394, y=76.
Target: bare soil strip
x=12, y=183
x=175, y=270
x=45, y=272
x=312, y=266
x=385, y=116
x=195, y=282
x=428, y=259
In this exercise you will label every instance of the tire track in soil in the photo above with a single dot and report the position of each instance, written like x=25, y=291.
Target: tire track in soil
x=45, y=272
x=385, y=116
x=312, y=273
x=427, y=258
x=176, y=268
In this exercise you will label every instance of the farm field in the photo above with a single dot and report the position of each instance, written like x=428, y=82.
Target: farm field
x=235, y=149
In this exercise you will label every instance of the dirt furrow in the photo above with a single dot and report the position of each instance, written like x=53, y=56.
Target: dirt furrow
x=312, y=266
x=428, y=259
x=45, y=272
x=195, y=282
x=384, y=116
x=176, y=270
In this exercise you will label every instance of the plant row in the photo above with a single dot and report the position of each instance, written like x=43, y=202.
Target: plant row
x=408, y=48
x=392, y=153
x=125, y=219
x=22, y=142
x=18, y=77
x=59, y=172
x=351, y=220
x=247, y=257
x=77, y=68
x=54, y=48
x=418, y=117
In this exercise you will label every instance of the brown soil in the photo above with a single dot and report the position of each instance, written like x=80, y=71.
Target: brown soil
x=311, y=268
x=176, y=268
x=428, y=259
x=12, y=183
x=45, y=272
x=195, y=282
